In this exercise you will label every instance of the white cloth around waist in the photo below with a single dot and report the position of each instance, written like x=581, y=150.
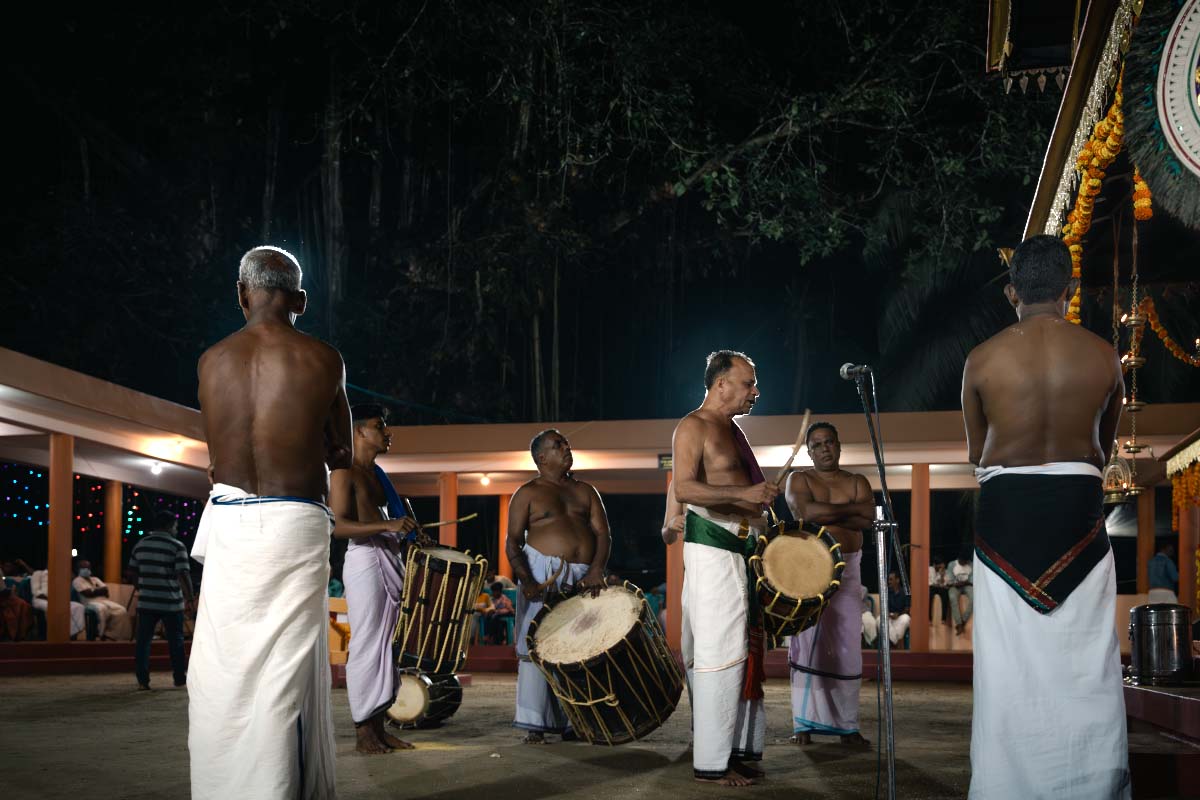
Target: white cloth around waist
x=983, y=474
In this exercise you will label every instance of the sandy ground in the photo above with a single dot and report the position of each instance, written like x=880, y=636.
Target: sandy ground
x=94, y=736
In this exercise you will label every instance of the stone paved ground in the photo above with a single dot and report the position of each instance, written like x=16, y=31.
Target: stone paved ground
x=94, y=736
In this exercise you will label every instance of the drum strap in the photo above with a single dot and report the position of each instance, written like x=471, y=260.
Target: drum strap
x=698, y=530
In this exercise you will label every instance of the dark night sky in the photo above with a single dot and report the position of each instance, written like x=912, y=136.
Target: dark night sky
x=139, y=149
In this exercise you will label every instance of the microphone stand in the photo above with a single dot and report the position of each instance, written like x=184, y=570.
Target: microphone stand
x=885, y=524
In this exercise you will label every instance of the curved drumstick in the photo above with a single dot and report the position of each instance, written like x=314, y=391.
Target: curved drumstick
x=783, y=471
x=553, y=578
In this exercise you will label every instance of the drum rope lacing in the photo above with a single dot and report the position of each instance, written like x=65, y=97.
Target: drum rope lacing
x=457, y=630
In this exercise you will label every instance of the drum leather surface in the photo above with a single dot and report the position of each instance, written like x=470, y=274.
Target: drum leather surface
x=798, y=566
x=583, y=626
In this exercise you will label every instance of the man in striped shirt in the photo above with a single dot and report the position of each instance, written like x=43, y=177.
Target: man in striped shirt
x=163, y=581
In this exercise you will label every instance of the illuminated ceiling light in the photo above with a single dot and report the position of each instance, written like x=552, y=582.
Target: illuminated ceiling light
x=74, y=552
x=485, y=480
x=156, y=468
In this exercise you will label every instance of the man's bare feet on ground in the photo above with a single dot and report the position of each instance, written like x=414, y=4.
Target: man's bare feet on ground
x=855, y=738
x=746, y=770
x=730, y=778
x=534, y=737
x=387, y=739
x=801, y=739
x=369, y=742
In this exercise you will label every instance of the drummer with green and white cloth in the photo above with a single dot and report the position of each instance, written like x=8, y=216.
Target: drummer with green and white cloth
x=719, y=483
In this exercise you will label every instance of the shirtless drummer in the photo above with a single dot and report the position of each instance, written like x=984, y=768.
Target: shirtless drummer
x=826, y=659
x=557, y=539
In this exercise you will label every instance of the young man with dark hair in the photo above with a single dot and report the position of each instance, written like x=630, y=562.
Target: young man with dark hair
x=369, y=513
x=1041, y=401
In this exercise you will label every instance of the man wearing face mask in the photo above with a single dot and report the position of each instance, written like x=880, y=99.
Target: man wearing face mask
x=114, y=619
x=723, y=495
x=368, y=511
x=826, y=659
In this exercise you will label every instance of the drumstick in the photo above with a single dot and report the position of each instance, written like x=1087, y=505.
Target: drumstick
x=783, y=471
x=440, y=523
x=553, y=578
x=412, y=515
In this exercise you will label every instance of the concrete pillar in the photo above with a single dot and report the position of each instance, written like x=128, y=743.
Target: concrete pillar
x=1145, y=538
x=1189, y=553
x=448, y=507
x=113, y=491
x=58, y=560
x=918, y=559
x=674, y=590
x=502, y=566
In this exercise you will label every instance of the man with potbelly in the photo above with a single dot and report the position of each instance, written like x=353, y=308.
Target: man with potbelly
x=369, y=513
x=719, y=483
x=558, y=539
x=273, y=404
x=826, y=659
x=1041, y=401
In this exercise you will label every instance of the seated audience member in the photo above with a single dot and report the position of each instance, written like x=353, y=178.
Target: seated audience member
x=870, y=623
x=1163, y=575
x=898, y=618
x=39, y=583
x=960, y=585
x=504, y=581
x=115, y=623
x=16, y=616
x=164, y=583
x=496, y=625
x=938, y=588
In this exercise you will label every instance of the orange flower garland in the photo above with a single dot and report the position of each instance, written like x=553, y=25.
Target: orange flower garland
x=1142, y=209
x=1185, y=492
x=1173, y=347
x=1096, y=156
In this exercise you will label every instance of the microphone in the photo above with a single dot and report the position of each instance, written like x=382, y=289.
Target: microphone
x=852, y=372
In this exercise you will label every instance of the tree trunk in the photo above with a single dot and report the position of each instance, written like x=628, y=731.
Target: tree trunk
x=554, y=367
x=272, y=164
x=334, y=219
x=539, y=390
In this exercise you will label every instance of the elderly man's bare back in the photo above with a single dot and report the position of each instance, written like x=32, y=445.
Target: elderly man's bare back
x=1040, y=391
x=275, y=411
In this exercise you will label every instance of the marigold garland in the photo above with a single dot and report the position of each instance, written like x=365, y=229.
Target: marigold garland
x=1173, y=347
x=1185, y=493
x=1095, y=157
x=1142, y=208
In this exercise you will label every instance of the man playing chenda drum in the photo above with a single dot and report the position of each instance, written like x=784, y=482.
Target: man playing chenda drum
x=826, y=660
x=1041, y=401
x=557, y=539
x=370, y=514
x=719, y=483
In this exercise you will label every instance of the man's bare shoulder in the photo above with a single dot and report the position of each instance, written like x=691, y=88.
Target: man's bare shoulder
x=585, y=487
x=694, y=424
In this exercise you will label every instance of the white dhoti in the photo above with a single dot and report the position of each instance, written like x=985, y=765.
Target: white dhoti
x=715, y=644
x=114, y=619
x=1162, y=596
x=78, y=622
x=826, y=661
x=258, y=680
x=373, y=575
x=537, y=708
x=1049, y=707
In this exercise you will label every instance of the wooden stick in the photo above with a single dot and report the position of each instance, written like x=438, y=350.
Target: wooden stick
x=440, y=523
x=783, y=471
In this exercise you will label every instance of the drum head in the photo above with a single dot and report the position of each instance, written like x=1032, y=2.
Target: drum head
x=798, y=566
x=412, y=698
x=446, y=554
x=583, y=626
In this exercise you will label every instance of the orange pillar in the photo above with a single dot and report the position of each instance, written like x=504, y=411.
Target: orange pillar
x=448, y=507
x=674, y=590
x=112, y=531
x=1189, y=554
x=918, y=558
x=1145, y=538
x=58, y=560
x=502, y=566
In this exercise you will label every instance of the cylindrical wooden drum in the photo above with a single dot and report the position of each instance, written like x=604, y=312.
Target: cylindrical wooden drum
x=607, y=661
x=797, y=568
x=424, y=701
x=436, y=608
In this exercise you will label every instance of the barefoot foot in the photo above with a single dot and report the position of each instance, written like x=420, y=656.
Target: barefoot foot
x=855, y=739
x=801, y=739
x=369, y=742
x=534, y=737
x=746, y=770
x=730, y=778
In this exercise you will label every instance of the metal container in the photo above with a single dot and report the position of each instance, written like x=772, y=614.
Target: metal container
x=1161, y=637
